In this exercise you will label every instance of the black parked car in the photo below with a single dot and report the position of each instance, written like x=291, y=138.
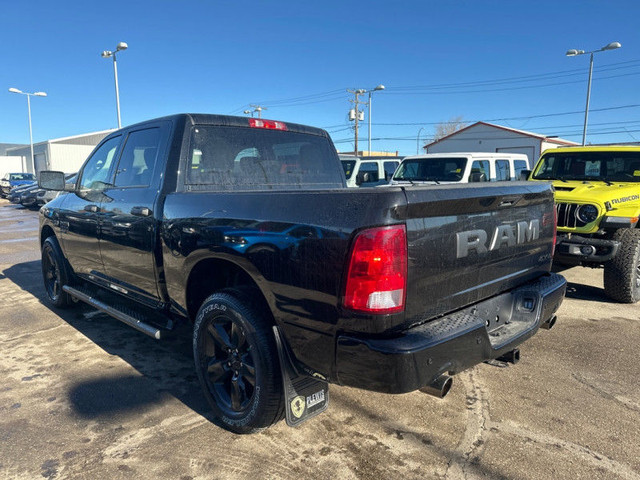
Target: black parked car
x=29, y=196
x=16, y=192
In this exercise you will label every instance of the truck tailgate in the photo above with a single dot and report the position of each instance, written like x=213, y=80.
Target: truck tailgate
x=467, y=243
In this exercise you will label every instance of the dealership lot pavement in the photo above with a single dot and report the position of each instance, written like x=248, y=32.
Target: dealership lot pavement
x=84, y=396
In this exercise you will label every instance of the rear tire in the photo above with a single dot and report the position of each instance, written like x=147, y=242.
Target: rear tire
x=622, y=273
x=55, y=273
x=237, y=362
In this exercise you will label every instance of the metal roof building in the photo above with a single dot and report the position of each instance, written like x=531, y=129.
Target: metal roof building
x=487, y=137
x=65, y=154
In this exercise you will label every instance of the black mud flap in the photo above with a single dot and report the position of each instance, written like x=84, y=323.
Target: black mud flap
x=306, y=394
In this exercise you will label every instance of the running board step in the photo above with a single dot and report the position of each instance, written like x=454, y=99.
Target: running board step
x=113, y=312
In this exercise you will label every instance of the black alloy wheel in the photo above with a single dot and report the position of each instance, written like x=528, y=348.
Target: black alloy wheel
x=55, y=273
x=231, y=371
x=237, y=362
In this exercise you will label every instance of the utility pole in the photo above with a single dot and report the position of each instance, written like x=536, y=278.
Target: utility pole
x=356, y=113
x=259, y=109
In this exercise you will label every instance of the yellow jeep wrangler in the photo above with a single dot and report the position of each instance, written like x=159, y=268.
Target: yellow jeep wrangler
x=598, y=205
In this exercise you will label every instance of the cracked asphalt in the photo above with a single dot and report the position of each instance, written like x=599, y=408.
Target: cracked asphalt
x=84, y=396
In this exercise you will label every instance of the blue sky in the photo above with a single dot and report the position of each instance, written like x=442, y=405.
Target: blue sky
x=298, y=59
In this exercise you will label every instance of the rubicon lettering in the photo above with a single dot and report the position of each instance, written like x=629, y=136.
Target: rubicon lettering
x=505, y=235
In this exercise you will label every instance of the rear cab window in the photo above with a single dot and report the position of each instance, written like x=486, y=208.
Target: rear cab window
x=238, y=158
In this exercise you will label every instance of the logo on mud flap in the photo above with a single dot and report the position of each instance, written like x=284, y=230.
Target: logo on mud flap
x=298, y=406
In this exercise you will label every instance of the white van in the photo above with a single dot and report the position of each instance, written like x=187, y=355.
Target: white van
x=367, y=172
x=462, y=167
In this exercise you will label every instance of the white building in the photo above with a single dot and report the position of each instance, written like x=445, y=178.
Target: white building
x=487, y=137
x=63, y=154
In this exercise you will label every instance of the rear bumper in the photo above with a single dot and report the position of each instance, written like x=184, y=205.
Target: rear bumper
x=449, y=344
x=586, y=249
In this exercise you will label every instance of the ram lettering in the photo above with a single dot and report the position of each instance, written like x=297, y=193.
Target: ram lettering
x=506, y=235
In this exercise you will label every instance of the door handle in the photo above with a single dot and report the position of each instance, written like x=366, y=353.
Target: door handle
x=141, y=211
x=91, y=208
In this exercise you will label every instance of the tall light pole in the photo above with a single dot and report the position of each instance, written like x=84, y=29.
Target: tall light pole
x=106, y=54
x=573, y=53
x=379, y=87
x=418, y=141
x=29, y=95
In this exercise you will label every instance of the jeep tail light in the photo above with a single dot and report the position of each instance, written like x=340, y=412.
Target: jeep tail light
x=377, y=275
x=268, y=124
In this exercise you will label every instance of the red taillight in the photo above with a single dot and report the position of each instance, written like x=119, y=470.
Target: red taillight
x=268, y=124
x=377, y=275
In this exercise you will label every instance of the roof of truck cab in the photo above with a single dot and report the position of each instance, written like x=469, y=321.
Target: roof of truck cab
x=229, y=121
x=472, y=155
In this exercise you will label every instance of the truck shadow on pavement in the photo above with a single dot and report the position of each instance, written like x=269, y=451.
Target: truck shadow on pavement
x=166, y=366
x=579, y=291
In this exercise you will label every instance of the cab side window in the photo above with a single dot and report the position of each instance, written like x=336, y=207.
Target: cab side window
x=480, y=171
x=389, y=169
x=138, y=158
x=95, y=174
x=519, y=166
x=502, y=171
x=369, y=168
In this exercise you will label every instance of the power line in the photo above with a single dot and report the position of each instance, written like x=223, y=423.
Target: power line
x=527, y=78
x=413, y=138
x=502, y=89
x=527, y=117
x=334, y=95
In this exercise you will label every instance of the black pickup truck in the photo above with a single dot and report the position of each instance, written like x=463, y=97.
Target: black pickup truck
x=245, y=229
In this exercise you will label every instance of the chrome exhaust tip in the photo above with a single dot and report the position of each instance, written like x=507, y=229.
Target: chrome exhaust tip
x=548, y=325
x=439, y=387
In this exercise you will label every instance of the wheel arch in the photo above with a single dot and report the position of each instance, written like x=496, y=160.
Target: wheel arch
x=46, y=232
x=211, y=274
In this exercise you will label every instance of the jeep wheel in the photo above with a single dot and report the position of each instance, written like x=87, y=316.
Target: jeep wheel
x=55, y=273
x=622, y=273
x=237, y=363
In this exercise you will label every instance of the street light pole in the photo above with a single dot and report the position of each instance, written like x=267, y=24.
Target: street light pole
x=30, y=134
x=107, y=54
x=37, y=94
x=573, y=53
x=586, y=108
x=115, y=75
x=379, y=87
x=418, y=141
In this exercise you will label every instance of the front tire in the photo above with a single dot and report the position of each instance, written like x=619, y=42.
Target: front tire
x=55, y=273
x=622, y=273
x=237, y=362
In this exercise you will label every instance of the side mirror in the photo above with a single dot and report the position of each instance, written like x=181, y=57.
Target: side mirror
x=51, y=180
x=524, y=174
